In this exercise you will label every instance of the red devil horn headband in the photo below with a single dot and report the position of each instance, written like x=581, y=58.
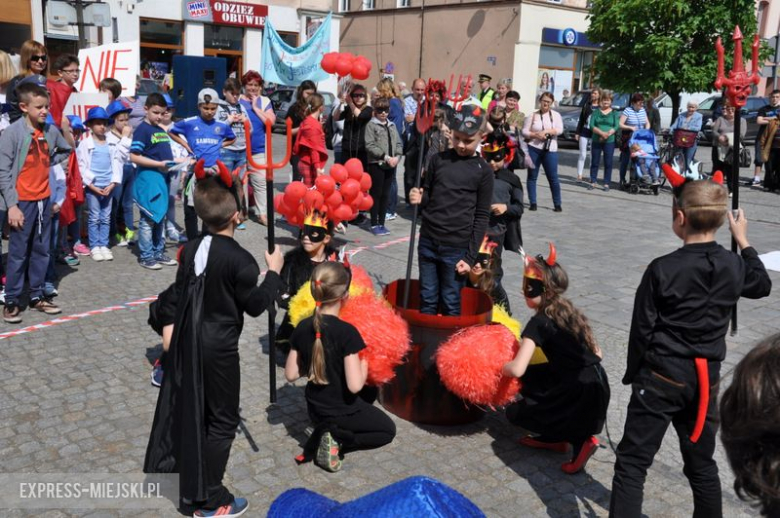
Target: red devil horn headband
x=200, y=173
x=718, y=177
x=224, y=174
x=552, y=257
x=674, y=178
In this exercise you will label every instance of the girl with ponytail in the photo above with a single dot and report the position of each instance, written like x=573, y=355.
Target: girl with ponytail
x=325, y=349
x=310, y=141
x=565, y=400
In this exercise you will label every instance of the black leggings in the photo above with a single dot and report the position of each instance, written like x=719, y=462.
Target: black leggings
x=380, y=190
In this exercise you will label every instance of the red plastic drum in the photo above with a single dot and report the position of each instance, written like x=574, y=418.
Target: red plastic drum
x=416, y=393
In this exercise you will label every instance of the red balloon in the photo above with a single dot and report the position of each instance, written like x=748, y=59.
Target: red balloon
x=314, y=200
x=293, y=194
x=343, y=213
x=367, y=203
x=339, y=172
x=350, y=189
x=365, y=182
x=354, y=168
x=343, y=66
x=357, y=201
x=334, y=200
x=329, y=61
x=348, y=56
x=325, y=184
x=279, y=203
x=360, y=71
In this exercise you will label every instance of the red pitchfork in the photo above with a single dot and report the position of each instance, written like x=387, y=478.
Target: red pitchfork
x=270, y=166
x=456, y=97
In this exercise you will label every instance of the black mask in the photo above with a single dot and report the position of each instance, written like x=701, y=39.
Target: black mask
x=315, y=234
x=494, y=156
x=532, y=288
x=483, y=260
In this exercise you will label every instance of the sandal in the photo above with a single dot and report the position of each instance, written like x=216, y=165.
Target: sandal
x=328, y=457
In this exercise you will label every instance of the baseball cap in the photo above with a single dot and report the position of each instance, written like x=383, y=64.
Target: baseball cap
x=468, y=119
x=209, y=95
x=35, y=79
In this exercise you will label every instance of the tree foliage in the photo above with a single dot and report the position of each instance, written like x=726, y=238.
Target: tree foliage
x=668, y=45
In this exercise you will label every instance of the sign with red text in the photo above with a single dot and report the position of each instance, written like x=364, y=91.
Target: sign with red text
x=118, y=60
x=79, y=103
x=222, y=12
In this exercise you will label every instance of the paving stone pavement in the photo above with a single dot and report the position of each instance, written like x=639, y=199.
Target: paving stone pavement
x=76, y=398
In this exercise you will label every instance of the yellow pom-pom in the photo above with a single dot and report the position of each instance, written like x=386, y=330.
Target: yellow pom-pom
x=500, y=316
x=301, y=305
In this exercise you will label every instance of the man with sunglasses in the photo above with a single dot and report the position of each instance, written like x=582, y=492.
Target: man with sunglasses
x=67, y=68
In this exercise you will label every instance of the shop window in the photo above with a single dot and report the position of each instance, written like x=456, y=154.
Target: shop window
x=164, y=32
x=222, y=37
x=556, y=57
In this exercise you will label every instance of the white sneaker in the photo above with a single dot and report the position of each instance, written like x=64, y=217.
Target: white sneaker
x=107, y=254
x=97, y=254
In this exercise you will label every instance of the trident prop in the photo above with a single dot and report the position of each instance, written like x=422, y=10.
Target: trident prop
x=738, y=86
x=270, y=166
x=423, y=121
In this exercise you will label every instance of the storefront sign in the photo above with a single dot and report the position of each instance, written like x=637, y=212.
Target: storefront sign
x=286, y=65
x=223, y=12
x=567, y=37
x=118, y=60
x=79, y=103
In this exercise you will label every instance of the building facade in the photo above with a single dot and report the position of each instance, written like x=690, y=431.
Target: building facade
x=539, y=44
x=768, y=18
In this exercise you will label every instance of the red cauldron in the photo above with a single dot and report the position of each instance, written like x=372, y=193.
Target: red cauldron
x=416, y=393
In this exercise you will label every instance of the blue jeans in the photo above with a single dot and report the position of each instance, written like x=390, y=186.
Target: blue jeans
x=548, y=160
x=232, y=158
x=28, y=251
x=689, y=154
x=151, y=245
x=625, y=158
x=439, y=282
x=98, y=218
x=596, y=148
x=123, y=201
x=51, y=272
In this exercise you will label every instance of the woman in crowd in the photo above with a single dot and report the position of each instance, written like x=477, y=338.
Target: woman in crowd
x=356, y=115
x=34, y=60
x=297, y=113
x=543, y=128
x=260, y=110
x=583, y=133
x=724, y=149
x=604, y=124
x=634, y=117
x=389, y=90
x=690, y=121
x=499, y=99
x=7, y=73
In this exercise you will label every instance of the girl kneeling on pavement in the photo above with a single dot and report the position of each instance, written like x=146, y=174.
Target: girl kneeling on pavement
x=565, y=400
x=325, y=349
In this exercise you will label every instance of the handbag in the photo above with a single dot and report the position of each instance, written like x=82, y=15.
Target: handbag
x=744, y=157
x=684, y=139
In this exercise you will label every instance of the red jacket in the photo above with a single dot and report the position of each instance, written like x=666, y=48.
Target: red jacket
x=310, y=143
x=74, y=193
x=59, y=93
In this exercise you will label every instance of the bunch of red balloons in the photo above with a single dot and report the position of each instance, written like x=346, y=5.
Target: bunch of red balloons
x=341, y=195
x=346, y=63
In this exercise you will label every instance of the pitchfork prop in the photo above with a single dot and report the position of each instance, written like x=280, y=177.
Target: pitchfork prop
x=270, y=166
x=423, y=121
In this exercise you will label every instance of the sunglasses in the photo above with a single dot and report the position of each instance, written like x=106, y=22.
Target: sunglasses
x=358, y=96
x=43, y=57
x=71, y=71
x=381, y=110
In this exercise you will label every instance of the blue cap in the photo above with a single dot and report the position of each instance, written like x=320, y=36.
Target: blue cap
x=97, y=113
x=35, y=79
x=116, y=107
x=169, y=101
x=75, y=123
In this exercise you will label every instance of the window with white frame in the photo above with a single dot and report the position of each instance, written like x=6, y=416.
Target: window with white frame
x=368, y=5
x=343, y=5
x=404, y=3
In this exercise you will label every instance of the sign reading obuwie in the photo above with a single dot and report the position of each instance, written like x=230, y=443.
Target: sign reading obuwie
x=223, y=12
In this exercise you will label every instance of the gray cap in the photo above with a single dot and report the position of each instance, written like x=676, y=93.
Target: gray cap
x=209, y=95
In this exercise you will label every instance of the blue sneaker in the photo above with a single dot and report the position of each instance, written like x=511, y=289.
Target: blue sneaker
x=157, y=373
x=390, y=216
x=376, y=230
x=242, y=226
x=236, y=508
x=166, y=261
x=150, y=264
x=384, y=230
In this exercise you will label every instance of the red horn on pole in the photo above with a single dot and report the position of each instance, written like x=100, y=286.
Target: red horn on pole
x=718, y=177
x=224, y=174
x=552, y=257
x=674, y=178
x=200, y=174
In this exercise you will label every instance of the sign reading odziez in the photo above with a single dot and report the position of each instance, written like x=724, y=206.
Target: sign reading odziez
x=225, y=13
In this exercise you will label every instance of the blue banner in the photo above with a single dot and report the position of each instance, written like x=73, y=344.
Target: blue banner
x=286, y=65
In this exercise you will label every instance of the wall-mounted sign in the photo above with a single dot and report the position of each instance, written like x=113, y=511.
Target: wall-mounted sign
x=568, y=37
x=222, y=12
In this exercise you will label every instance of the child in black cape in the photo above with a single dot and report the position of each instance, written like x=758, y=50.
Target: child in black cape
x=201, y=316
x=325, y=349
x=565, y=400
x=299, y=263
x=677, y=342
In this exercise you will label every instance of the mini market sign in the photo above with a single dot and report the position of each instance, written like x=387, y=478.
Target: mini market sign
x=225, y=13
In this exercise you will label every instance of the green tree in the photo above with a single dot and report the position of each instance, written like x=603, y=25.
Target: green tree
x=668, y=45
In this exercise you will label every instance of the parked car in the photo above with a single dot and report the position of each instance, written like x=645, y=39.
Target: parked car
x=711, y=109
x=286, y=98
x=571, y=107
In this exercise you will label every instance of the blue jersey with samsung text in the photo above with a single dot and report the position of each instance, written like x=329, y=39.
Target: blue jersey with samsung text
x=205, y=138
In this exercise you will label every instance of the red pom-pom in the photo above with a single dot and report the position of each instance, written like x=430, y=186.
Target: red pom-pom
x=470, y=364
x=313, y=200
x=354, y=168
x=329, y=61
x=365, y=182
x=361, y=279
x=368, y=202
x=350, y=189
x=293, y=194
x=385, y=333
x=325, y=184
x=339, y=173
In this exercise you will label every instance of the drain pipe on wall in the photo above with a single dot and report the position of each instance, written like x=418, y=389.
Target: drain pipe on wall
x=422, y=26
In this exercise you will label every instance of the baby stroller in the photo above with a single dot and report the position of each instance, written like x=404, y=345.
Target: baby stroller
x=645, y=162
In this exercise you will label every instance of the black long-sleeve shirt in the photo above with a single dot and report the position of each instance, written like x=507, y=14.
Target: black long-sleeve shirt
x=457, y=193
x=684, y=302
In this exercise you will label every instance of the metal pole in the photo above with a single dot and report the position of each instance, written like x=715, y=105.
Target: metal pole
x=80, y=23
x=410, y=257
x=269, y=193
x=735, y=196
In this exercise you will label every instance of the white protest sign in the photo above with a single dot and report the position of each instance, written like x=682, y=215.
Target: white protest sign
x=118, y=60
x=80, y=103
